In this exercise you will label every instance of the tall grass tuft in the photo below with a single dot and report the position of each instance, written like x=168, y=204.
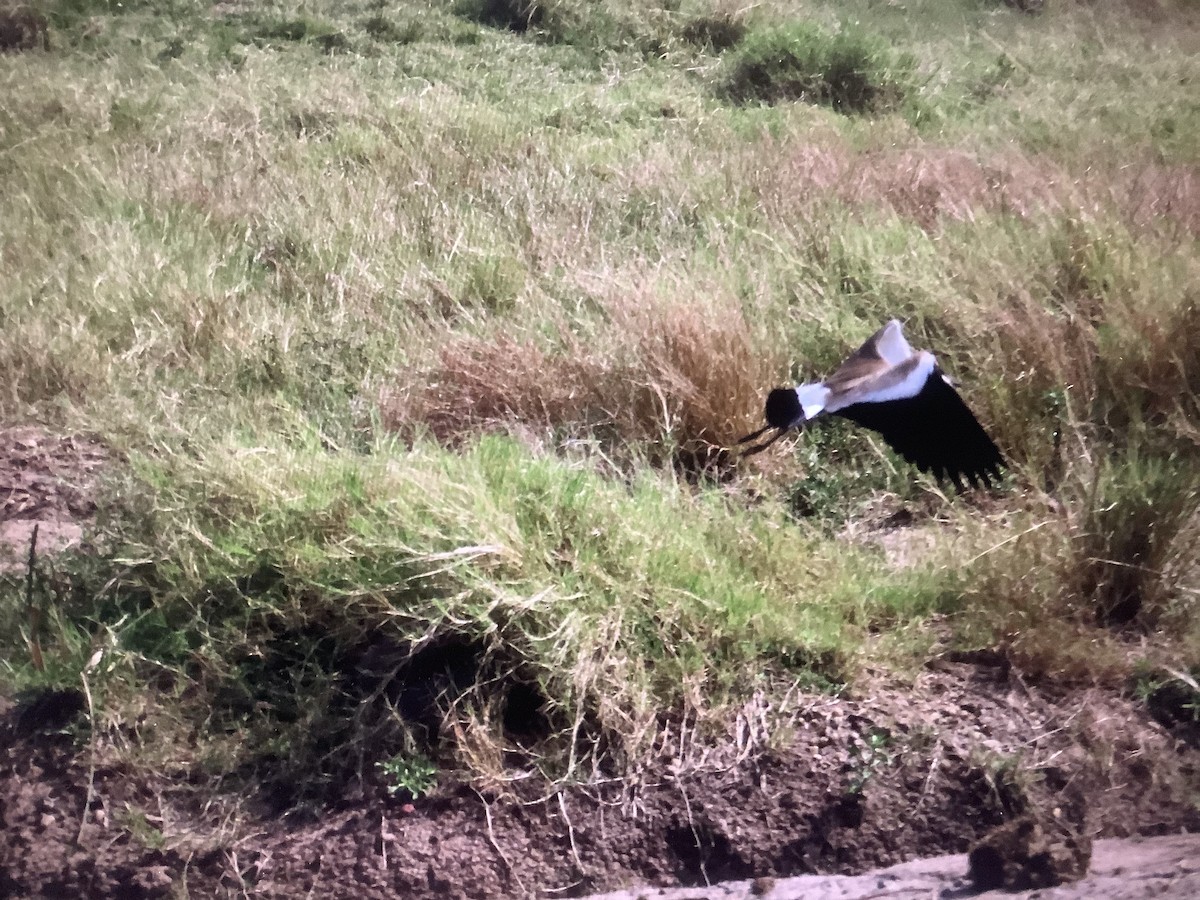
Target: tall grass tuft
x=1137, y=531
x=515, y=15
x=659, y=378
x=1071, y=583
x=717, y=29
x=848, y=70
x=595, y=26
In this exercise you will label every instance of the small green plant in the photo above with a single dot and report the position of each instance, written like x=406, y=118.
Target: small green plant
x=848, y=70
x=869, y=758
x=137, y=823
x=411, y=772
x=1008, y=783
x=1145, y=680
x=1171, y=696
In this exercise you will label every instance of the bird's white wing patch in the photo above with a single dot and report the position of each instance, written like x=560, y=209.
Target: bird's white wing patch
x=813, y=398
x=886, y=389
x=909, y=386
x=893, y=349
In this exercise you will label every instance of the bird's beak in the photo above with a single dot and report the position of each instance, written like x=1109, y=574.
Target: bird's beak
x=754, y=435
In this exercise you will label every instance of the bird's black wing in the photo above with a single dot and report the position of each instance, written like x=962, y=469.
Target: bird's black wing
x=935, y=431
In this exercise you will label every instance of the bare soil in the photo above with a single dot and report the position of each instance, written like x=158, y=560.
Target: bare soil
x=47, y=481
x=894, y=771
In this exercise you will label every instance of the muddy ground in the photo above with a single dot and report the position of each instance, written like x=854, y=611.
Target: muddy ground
x=1167, y=868
x=891, y=772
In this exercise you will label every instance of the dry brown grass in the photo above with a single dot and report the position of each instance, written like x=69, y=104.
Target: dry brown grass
x=1153, y=194
x=931, y=185
x=927, y=184
x=678, y=376
x=1047, y=350
x=1094, y=354
x=1079, y=587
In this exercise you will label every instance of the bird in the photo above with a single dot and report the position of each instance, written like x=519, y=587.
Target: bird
x=902, y=393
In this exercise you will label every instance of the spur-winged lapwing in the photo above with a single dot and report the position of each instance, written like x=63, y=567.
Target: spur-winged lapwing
x=888, y=387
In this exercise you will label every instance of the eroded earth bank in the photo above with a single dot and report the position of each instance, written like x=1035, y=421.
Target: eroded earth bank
x=891, y=774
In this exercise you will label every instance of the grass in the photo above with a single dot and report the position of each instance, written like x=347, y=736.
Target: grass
x=416, y=370
x=847, y=70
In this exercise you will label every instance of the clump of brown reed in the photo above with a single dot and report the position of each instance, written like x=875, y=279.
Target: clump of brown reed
x=663, y=379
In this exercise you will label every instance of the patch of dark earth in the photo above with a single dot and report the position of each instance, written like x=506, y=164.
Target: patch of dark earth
x=964, y=758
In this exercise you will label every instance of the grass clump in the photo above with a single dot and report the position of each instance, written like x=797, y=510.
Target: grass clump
x=514, y=15
x=1114, y=557
x=848, y=70
x=391, y=31
x=23, y=28
x=302, y=29
x=1139, y=526
x=718, y=30
x=662, y=380
x=447, y=605
x=592, y=27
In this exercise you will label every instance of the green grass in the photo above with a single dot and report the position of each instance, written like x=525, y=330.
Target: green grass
x=409, y=334
x=847, y=70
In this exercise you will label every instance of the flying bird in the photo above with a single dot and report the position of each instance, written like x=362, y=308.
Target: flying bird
x=888, y=387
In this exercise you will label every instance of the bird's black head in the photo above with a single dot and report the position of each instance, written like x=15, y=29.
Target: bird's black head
x=783, y=408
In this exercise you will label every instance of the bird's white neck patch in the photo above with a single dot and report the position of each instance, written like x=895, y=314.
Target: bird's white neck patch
x=813, y=398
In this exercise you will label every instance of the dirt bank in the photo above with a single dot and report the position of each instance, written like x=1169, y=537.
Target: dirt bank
x=895, y=773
